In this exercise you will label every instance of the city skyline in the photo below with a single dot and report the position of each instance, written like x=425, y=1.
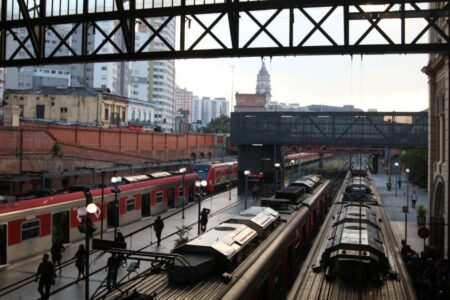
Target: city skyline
x=383, y=82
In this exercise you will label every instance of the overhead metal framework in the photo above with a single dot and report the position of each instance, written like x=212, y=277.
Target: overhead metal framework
x=215, y=28
x=331, y=129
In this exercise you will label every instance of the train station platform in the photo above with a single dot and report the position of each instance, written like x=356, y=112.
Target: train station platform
x=221, y=208
x=393, y=206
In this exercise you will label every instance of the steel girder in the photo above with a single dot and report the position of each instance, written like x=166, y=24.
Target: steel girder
x=297, y=18
x=331, y=129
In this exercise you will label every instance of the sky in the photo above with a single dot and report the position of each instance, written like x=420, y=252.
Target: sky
x=383, y=82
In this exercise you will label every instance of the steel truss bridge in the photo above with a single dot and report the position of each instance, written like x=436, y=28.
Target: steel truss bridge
x=214, y=28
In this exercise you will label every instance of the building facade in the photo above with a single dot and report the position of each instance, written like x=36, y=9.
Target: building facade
x=140, y=113
x=184, y=101
x=250, y=102
x=162, y=76
x=70, y=106
x=438, y=143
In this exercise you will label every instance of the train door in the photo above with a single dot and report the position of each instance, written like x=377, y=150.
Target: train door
x=171, y=197
x=3, y=244
x=145, y=205
x=60, y=227
x=112, y=215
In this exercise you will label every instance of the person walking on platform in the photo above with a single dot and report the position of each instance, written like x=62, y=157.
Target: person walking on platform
x=413, y=199
x=112, y=267
x=79, y=261
x=57, y=250
x=46, y=275
x=399, y=181
x=120, y=238
x=255, y=191
x=204, y=218
x=158, y=226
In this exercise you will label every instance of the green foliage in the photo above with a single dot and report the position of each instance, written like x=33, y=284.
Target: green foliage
x=421, y=211
x=184, y=113
x=56, y=150
x=417, y=162
x=183, y=235
x=218, y=125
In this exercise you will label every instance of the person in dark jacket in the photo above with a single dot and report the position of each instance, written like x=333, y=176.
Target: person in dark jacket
x=57, y=250
x=204, y=218
x=80, y=260
x=46, y=275
x=158, y=226
x=112, y=268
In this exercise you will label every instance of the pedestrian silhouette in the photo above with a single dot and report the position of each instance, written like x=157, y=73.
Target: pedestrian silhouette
x=399, y=183
x=56, y=250
x=413, y=199
x=120, y=238
x=158, y=226
x=255, y=191
x=112, y=267
x=79, y=260
x=204, y=218
x=46, y=275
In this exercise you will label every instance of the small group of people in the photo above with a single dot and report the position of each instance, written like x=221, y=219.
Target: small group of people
x=429, y=272
x=46, y=273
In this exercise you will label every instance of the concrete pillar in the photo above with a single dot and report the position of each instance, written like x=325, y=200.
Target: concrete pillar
x=11, y=116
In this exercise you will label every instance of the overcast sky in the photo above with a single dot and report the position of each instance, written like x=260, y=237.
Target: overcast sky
x=387, y=83
x=384, y=82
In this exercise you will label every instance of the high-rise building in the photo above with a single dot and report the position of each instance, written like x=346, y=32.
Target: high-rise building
x=219, y=107
x=183, y=101
x=162, y=76
x=206, y=110
x=197, y=109
x=42, y=76
x=263, y=84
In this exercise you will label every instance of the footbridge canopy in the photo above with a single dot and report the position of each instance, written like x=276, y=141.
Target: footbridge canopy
x=334, y=129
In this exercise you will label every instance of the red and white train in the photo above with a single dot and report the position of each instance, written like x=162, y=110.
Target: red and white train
x=30, y=227
x=217, y=175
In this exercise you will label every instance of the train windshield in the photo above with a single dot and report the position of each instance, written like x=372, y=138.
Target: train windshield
x=202, y=170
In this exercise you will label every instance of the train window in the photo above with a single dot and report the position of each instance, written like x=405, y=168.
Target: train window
x=31, y=229
x=181, y=192
x=131, y=204
x=159, y=197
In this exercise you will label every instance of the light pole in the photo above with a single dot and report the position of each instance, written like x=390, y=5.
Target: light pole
x=396, y=177
x=407, y=205
x=183, y=171
x=277, y=165
x=103, y=201
x=246, y=173
x=199, y=185
x=230, y=171
x=115, y=181
x=291, y=170
x=85, y=212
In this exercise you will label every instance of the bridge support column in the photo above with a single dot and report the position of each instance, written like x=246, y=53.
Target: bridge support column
x=321, y=160
x=259, y=159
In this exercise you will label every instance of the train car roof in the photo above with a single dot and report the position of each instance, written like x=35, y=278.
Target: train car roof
x=226, y=239
x=256, y=217
x=356, y=213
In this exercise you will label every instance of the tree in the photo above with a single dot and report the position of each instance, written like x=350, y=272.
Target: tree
x=184, y=113
x=218, y=125
x=417, y=162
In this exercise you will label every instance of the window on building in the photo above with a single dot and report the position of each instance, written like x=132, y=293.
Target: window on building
x=123, y=115
x=159, y=197
x=106, y=114
x=63, y=109
x=30, y=229
x=131, y=204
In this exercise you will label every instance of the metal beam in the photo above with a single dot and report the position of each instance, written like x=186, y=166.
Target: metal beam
x=232, y=44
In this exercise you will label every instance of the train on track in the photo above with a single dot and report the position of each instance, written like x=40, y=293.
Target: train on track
x=252, y=255
x=29, y=227
x=354, y=256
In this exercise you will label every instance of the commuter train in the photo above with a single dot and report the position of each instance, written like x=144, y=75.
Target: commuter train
x=217, y=175
x=294, y=159
x=354, y=256
x=251, y=255
x=29, y=227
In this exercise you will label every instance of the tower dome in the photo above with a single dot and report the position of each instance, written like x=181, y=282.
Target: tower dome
x=263, y=83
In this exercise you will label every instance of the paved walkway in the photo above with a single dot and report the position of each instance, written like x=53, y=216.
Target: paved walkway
x=393, y=206
x=145, y=240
